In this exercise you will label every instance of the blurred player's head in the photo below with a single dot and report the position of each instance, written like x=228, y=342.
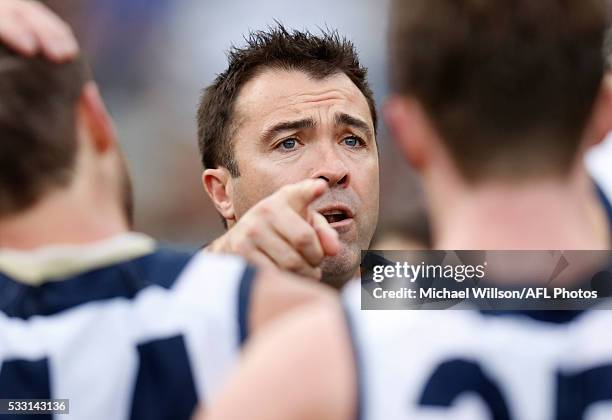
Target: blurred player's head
x=497, y=92
x=410, y=233
x=291, y=106
x=57, y=139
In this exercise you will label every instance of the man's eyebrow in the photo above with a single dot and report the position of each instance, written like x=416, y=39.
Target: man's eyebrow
x=283, y=126
x=348, y=120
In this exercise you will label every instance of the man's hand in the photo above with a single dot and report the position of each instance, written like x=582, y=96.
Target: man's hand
x=30, y=28
x=282, y=231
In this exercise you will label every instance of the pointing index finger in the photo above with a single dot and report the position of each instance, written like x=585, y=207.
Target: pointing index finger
x=299, y=196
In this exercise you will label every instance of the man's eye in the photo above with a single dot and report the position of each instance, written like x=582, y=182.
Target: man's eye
x=288, y=144
x=353, y=141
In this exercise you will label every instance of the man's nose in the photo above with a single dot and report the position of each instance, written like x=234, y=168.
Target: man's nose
x=332, y=169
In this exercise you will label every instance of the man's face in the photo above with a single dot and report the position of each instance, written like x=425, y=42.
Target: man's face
x=290, y=127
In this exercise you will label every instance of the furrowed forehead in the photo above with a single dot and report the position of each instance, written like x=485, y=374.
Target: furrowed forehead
x=275, y=91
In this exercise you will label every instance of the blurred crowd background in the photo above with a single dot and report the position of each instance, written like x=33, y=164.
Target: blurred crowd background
x=152, y=58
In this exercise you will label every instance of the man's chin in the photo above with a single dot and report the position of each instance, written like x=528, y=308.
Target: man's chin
x=340, y=268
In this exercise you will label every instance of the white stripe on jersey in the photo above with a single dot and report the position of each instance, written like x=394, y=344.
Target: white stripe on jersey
x=398, y=351
x=92, y=348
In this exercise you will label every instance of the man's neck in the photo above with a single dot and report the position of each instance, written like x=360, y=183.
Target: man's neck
x=535, y=216
x=62, y=218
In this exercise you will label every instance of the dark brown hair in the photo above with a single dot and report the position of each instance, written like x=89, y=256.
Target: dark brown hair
x=37, y=127
x=277, y=48
x=508, y=84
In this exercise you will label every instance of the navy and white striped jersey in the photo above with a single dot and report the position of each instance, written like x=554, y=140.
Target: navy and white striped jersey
x=122, y=329
x=472, y=365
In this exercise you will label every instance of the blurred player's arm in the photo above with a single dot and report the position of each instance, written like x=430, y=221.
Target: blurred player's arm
x=301, y=367
x=30, y=28
x=277, y=292
x=281, y=231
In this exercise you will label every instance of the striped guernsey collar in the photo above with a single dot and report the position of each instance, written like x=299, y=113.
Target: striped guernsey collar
x=53, y=263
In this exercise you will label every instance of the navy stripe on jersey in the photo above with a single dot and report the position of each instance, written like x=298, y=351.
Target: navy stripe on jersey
x=549, y=316
x=22, y=379
x=244, y=300
x=454, y=378
x=359, y=412
x=122, y=280
x=578, y=391
x=165, y=387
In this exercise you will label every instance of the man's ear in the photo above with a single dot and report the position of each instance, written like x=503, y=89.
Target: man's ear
x=410, y=128
x=601, y=117
x=95, y=116
x=217, y=183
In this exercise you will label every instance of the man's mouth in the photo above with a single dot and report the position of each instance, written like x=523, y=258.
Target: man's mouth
x=336, y=214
